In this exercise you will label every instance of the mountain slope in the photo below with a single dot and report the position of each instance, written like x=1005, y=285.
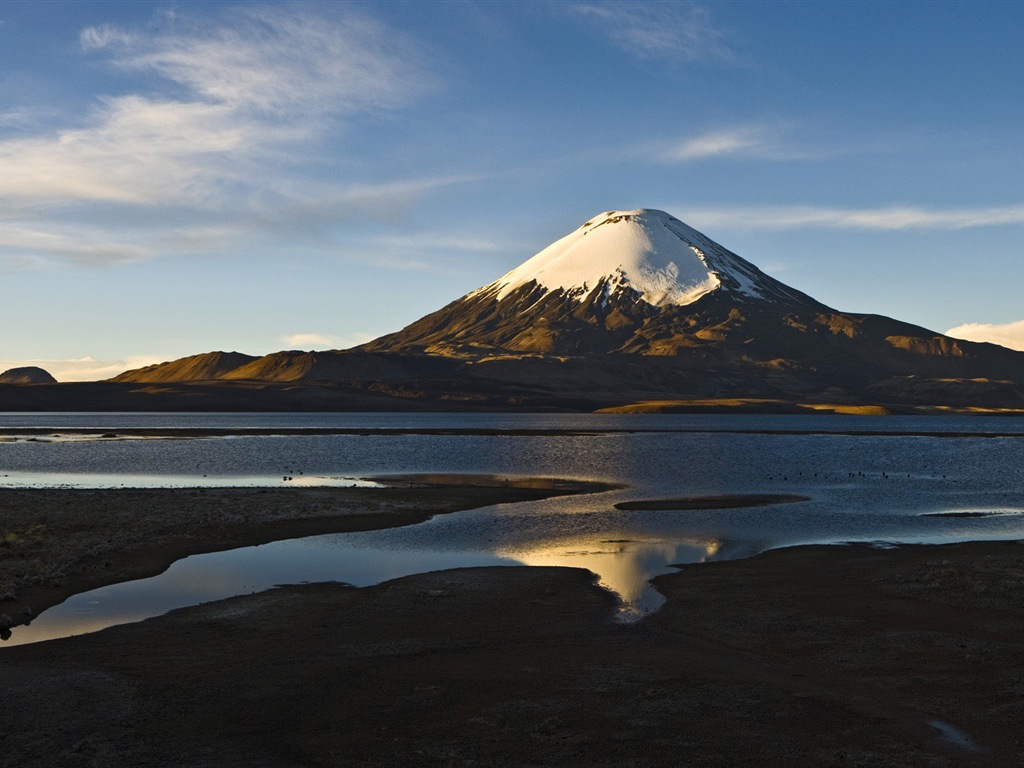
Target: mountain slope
x=339, y=366
x=204, y=367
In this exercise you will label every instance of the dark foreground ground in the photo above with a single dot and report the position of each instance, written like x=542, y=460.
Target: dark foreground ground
x=814, y=656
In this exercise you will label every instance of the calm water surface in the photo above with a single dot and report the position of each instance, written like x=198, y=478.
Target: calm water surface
x=875, y=485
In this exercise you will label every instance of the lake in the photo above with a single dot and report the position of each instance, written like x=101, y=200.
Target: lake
x=884, y=480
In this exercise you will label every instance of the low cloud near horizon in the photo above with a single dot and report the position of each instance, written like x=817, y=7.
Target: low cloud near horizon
x=319, y=341
x=1005, y=334
x=84, y=368
x=890, y=218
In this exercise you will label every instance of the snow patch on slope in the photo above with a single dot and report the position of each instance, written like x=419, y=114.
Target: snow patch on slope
x=651, y=252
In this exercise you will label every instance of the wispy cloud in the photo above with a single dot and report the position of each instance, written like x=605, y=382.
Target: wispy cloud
x=440, y=252
x=887, y=219
x=222, y=132
x=727, y=142
x=759, y=141
x=1006, y=334
x=274, y=60
x=306, y=340
x=136, y=150
x=670, y=31
x=317, y=341
x=24, y=246
x=440, y=241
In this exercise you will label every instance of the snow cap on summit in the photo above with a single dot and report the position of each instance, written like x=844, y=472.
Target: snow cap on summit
x=651, y=252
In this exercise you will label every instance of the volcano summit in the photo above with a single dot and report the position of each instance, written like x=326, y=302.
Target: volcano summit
x=634, y=309
x=604, y=288
x=649, y=252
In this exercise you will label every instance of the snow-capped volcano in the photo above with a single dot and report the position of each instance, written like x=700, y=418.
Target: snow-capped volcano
x=651, y=252
x=638, y=282
x=632, y=307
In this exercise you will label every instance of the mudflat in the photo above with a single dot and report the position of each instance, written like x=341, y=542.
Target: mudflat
x=55, y=543
x=810, y=656
x=729, y=501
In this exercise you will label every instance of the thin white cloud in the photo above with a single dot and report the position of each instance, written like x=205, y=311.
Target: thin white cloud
x=439, y=241
x=760, y=141
x=219, y=137
x=756, y=141
x=383, y=201
x=310, y=341
x=305, y=214
x=276, y=60
x=886, y=219
x=306, y=340
x=22, y=118
x=27, y=246
x=136, y=150
x=726, y=142
x=438, y=252
x=84, y=368
x=45, y=244
x=104, y=35
x=669, y=31
x=1006, y=334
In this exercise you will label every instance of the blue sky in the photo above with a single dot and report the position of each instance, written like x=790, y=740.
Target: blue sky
x=183, y=177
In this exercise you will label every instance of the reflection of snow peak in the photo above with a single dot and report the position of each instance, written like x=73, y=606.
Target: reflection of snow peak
x=622, y=567
x=651, y=252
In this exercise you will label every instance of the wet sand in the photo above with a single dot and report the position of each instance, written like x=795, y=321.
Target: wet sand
x=810, y=656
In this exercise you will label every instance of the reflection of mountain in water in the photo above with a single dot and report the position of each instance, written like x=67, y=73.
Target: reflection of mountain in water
x=626, y=566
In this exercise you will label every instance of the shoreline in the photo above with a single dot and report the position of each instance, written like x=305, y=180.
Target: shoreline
x=29, y=434
x=806, y=656
x=55, y=543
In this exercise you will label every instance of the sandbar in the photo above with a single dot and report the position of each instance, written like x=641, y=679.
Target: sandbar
x=726, y=501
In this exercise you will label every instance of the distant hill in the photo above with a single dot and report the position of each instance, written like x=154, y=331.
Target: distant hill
x=27, y=375
x=291, y=366
x=204, y=367
x=341, y=366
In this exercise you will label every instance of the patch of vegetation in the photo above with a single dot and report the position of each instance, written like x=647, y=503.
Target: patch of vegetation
x=24, y=537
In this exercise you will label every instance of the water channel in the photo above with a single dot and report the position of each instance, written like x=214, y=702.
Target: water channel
x=867, y=479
